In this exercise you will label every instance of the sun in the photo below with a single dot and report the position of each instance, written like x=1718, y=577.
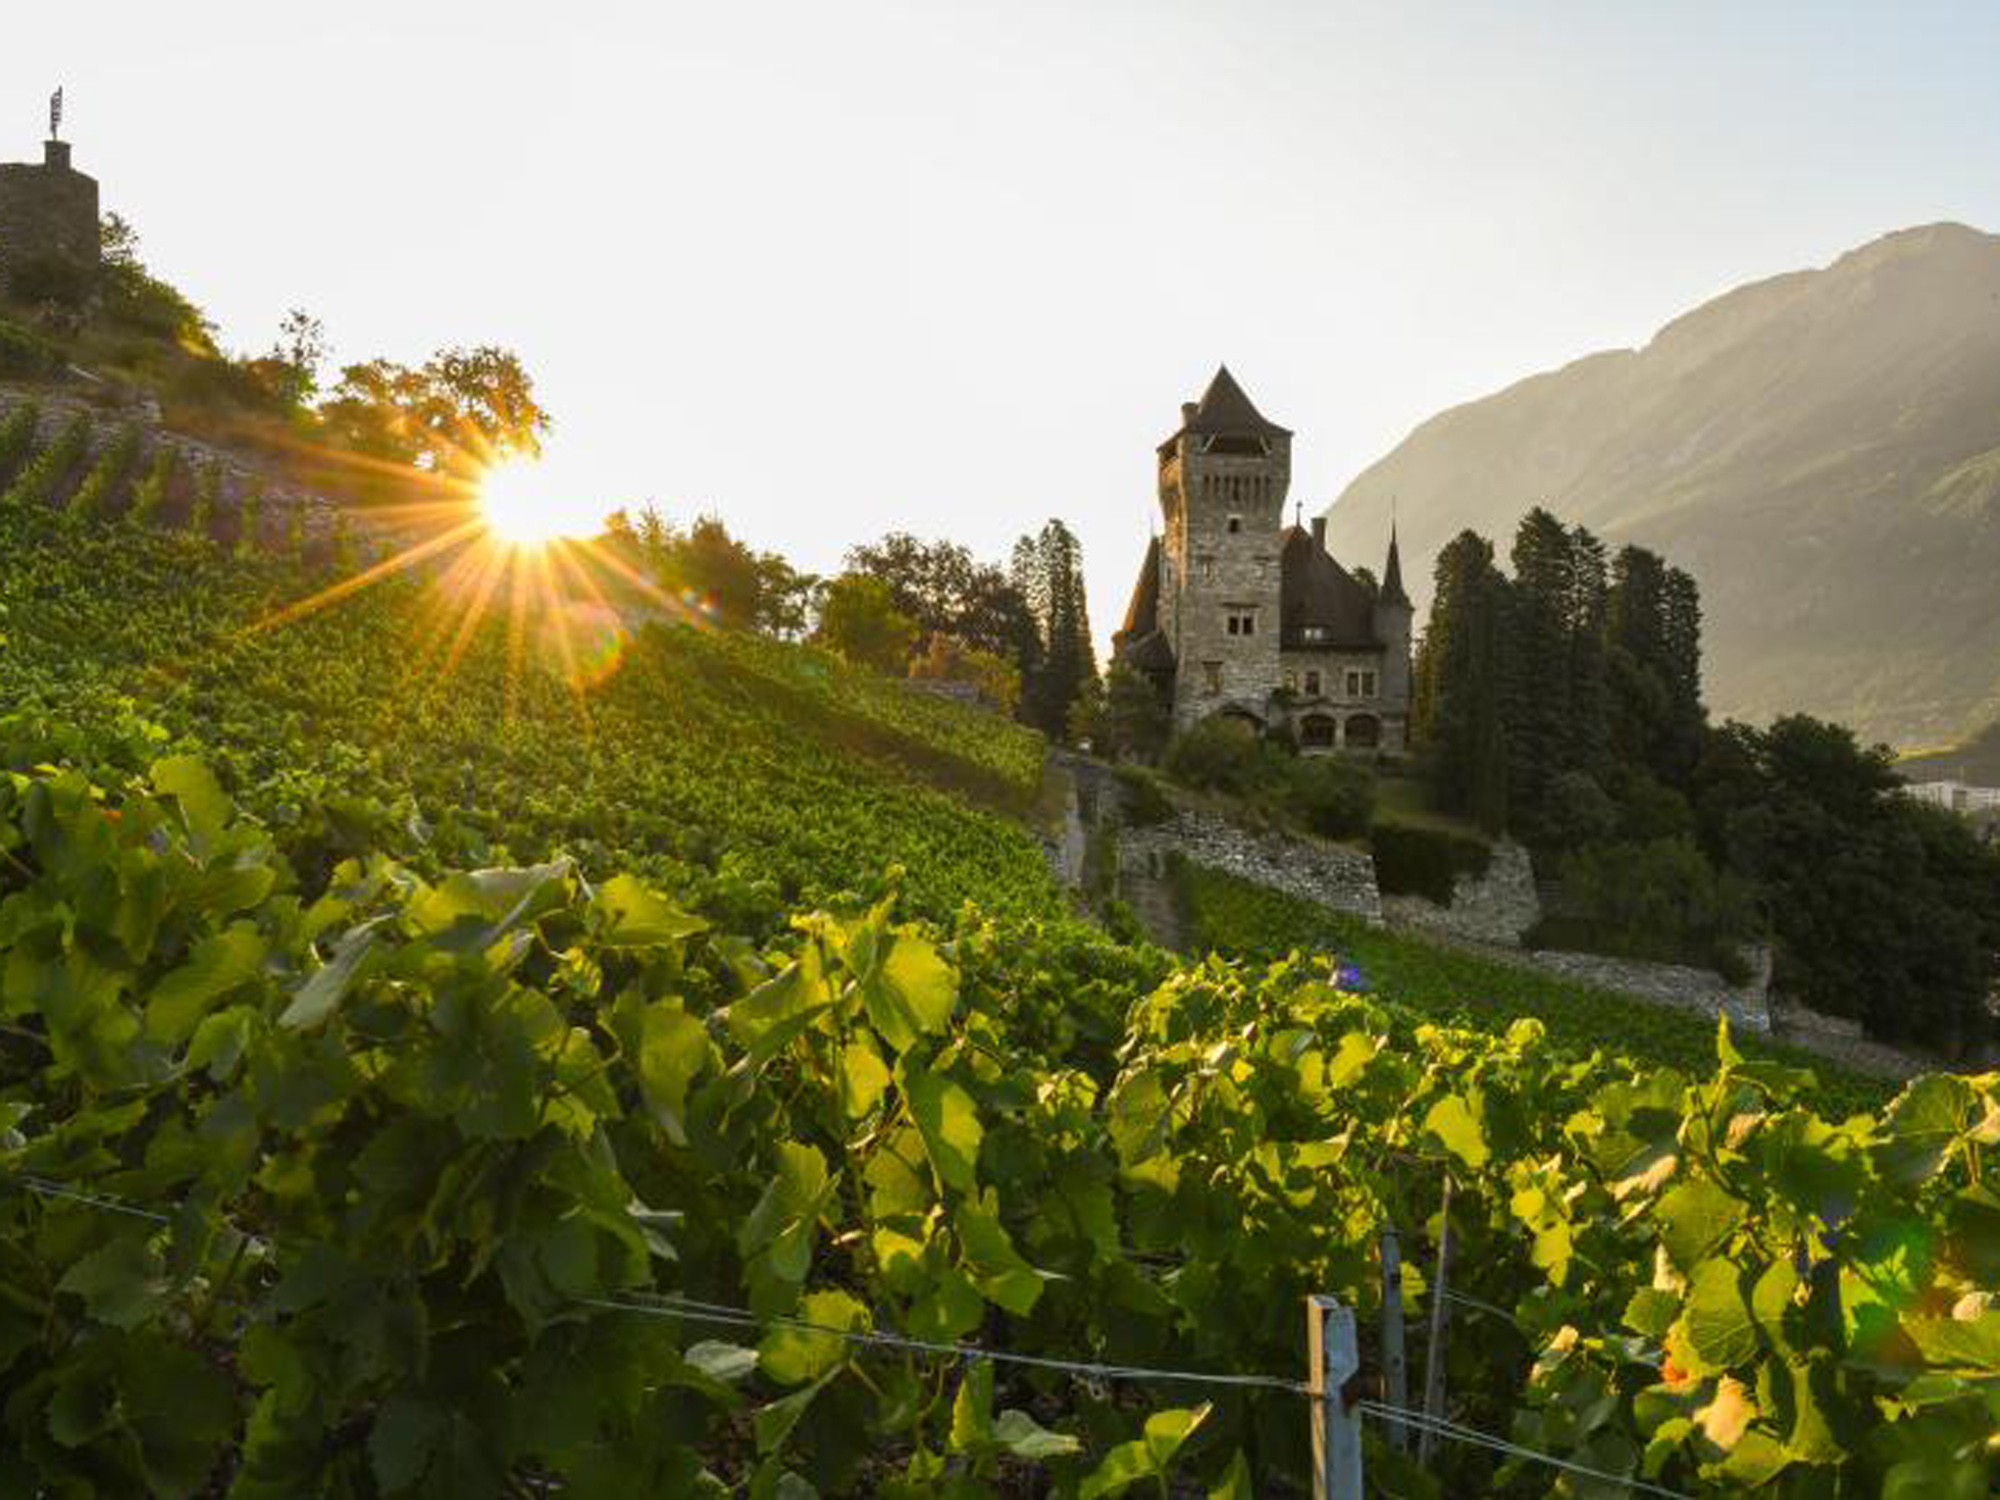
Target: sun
x=524, y=504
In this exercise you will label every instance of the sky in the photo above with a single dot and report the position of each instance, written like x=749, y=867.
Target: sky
x=830, y=270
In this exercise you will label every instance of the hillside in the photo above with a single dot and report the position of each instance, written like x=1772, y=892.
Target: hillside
x=1820, y=449
x=454, y=1042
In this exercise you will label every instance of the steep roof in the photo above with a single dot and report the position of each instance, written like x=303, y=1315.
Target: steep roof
x=1316, y=592
x=1392, y=573
x=1143, y=613
x=1224, y=410
x=1140, y=643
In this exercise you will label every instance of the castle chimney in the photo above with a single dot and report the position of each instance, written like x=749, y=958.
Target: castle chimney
x=55, y=154
x=1188, y=409
x=1319, y=532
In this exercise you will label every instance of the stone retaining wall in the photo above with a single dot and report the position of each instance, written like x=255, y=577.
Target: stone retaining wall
x=239, y=476
x=1497, y=906
x=1334, y=875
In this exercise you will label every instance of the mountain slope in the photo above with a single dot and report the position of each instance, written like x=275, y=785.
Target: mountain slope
x=1821, y=449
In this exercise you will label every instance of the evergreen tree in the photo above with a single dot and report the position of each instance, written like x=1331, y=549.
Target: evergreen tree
x=1048, y=572
x=1458, y=695
x=1537, y=689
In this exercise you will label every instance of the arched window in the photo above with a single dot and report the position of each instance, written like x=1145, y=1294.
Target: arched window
x=1318, y=732
x=1364, y=732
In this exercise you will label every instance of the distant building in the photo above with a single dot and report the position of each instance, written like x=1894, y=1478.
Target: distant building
x=1237, y=613
x=48, y=215
x=1954, y=796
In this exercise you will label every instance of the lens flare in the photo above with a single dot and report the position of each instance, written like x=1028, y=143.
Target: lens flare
x=584, y=642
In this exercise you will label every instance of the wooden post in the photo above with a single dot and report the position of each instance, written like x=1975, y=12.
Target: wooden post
x=1440, y=1313
x=1395, y=1368
x=1334, y=1357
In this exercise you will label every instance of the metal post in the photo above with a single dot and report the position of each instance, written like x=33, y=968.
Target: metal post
x=1440, y=1313
x=1334, y=1357
x=1395, y=1368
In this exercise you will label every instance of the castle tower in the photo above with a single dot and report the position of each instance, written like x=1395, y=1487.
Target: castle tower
x=1223, y=478
x=1393, y=616
x=48, y=215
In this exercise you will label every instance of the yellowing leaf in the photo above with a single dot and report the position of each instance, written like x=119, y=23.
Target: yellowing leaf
x=1726, y=1416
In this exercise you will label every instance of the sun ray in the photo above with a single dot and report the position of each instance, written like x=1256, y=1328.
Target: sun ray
x=409, y=557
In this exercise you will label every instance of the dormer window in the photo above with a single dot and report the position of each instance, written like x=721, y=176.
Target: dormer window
x=1235, y=525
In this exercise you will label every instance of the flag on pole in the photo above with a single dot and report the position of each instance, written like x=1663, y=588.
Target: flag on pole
x=55, y=114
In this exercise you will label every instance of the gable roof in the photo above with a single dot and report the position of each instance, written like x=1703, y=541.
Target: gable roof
x=1317, y=593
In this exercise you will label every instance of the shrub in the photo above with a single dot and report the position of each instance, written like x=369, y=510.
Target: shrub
x=26, y=355
x=1220, y=754
x=93, y=496
x=17, y=438
x=1414, y=861
x=1334, y=798
x=1145, y=804
x=38, y=481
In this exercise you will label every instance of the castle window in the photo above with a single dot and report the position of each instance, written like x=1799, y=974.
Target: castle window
x=1291, y=681
x=1312, y=683
x=1360, y=684
x=1318, y=732
x=1211, y=678
x=1242, y=622
x=1207, y=567
x=1315, y=633
x=1235, y=525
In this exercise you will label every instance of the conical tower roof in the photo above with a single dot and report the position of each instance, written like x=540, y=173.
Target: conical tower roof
x=1224, y=408
x=1392, y=573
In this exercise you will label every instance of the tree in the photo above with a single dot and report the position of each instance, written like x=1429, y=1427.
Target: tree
x=947, y=592
x=1047, y=571
x=1458, y=697
x=946, y=659
x=707, y=566
x=462, y=410
x=859, y=620
x=1136, y=723
x=1886, y=911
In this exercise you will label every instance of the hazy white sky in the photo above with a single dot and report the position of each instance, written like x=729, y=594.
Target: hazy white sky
x=830, y=269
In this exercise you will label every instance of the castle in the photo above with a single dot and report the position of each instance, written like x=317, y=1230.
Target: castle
x=48, y=212
x=1237, y=613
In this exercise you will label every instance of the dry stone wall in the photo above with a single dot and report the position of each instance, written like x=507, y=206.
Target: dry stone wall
x=1331, y=874
x=239, y=476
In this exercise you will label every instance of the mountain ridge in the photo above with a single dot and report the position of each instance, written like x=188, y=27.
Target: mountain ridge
x=1821, y=448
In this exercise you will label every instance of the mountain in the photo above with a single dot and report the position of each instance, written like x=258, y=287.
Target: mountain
x=1820, y=449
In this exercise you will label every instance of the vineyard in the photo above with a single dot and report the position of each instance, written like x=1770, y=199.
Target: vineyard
x=435, y=1061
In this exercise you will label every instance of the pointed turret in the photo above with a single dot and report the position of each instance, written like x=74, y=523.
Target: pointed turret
x=1392, y=573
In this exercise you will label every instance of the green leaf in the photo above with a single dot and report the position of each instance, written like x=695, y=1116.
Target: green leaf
x=863, y=1077
x=949, y=1121
x=326, y=986
x=1451, y=1120
x=400, y=1445
x=1235, y=1481
x=1651, y=1311
x=216, y=966
x=634, y=917
x=997, y=1269
x=1695, y=1217
x=1145, y=1457
x=909, y=992
x=729, y=1364
x=792, y=1355
x=972, y=1408
x=1025, y=1438
x=1966, y=1346
x=1719, y=1325
x=204, y=808
x=1926, y=1121
x=122, y=1283
x=773, y=1423
x=673, y=1049
x=181, y=1407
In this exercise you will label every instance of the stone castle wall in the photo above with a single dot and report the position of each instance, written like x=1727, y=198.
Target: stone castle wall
x=1212, y=571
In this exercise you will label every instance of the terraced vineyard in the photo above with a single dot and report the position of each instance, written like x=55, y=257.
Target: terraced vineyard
x=434, y=1064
